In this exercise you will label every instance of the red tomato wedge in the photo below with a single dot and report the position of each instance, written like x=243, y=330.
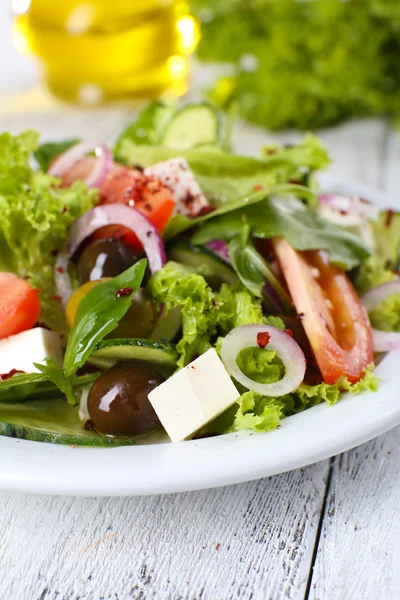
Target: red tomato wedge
x=336, y=323
x=19, y=305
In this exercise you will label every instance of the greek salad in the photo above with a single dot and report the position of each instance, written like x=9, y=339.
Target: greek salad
x=172, y=285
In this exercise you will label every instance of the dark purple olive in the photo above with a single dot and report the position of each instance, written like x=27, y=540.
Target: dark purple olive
x=104, y=258
x=118, y=401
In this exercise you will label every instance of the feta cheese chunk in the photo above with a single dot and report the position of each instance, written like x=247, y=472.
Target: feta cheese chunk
x=20, y=351
x=176, y=175
x=193, y=396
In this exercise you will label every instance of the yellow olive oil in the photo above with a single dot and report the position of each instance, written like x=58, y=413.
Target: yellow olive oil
x=92, y=50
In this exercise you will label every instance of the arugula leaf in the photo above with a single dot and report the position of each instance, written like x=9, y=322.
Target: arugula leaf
x=46, y=152
x=99, y=313
x=254, y=273
x=288, y=217
x=37, y=386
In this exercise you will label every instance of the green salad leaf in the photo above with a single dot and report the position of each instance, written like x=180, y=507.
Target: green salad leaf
x=99, y=313
x=26, y=387
x=253, y=271
x=386, y=316
x=226, y=177
x=57, y=376
x=205, y=314
x=148, y=127
x=262, y=413
x=303, y=64
x=35, y=215
x=288, y=217
x=47, y=151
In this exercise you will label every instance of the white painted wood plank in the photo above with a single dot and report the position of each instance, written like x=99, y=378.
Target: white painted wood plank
x=358, y=556
x=249, y=541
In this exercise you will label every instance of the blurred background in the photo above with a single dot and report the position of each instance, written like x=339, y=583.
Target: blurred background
x=276, y=63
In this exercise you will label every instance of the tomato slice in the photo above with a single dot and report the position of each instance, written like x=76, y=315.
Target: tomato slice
x=147, y=194
x=335, y=321
x=19, y=305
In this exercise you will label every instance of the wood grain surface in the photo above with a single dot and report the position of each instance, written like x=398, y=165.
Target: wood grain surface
x=327, y=532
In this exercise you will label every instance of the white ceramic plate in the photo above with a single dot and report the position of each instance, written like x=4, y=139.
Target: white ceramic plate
x=313, y=435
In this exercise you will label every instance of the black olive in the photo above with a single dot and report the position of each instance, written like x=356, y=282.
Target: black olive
x=118, y=401
x=104, y=258
x=140, y=320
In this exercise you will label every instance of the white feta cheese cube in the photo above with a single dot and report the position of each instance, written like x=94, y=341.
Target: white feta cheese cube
x=20, y=351
x=176, y=175
x=193, y=396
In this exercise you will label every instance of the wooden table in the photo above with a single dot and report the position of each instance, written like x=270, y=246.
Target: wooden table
x=330, y=531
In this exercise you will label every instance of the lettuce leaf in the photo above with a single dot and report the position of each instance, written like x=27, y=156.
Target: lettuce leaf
x=35, y=215
x=225, y=177
x=205, y=314
x=262, y=413
x=386, y=316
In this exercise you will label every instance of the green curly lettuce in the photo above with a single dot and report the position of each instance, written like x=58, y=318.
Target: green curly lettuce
x=205, y=314
x=35, y=215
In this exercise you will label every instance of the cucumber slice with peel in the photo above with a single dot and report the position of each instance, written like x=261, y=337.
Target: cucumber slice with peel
x=52, y=421
x=204, y=262
x=193, y=125
x=109, y=352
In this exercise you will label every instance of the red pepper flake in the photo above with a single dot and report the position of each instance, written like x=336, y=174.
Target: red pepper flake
x=73, y=446
x=64, y=210
x=389, y=452
x=218, y=546
x=55, y=297
x=192, y=367
x=126, y=291
x=263, y=339
x=148, y=206
x=88, y=425
x=26, y=277
x=60, y=270
x=389, y=217
x=10, y=374
x=258, y=187
x=289, y=332
x=149, y=233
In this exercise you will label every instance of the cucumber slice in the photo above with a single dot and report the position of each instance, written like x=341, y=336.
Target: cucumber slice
x=168, y=325
x=193, y=125
x=109, y=352
x=214, y=270
x=52, y=421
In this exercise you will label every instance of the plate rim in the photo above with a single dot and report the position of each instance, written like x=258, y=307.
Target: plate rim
x=302, y=439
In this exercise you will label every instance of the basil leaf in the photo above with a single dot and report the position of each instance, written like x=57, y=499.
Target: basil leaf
x=48, y=151
x=99, y=313
x=37, y=386
x=288, y=217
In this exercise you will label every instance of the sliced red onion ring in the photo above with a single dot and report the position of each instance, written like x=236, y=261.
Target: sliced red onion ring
x=62, y=278
x=354, y=205
x=119, y=214
x=287, y=349
x=220, y=248
x=101, y=167
x=384, y=341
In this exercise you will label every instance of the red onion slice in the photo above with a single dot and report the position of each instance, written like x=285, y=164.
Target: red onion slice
x=101, y=166
x=384, y=341
x=119, y=214
x=62, y=278
x=220, y=248
x=354, y=206
x=286, y=347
